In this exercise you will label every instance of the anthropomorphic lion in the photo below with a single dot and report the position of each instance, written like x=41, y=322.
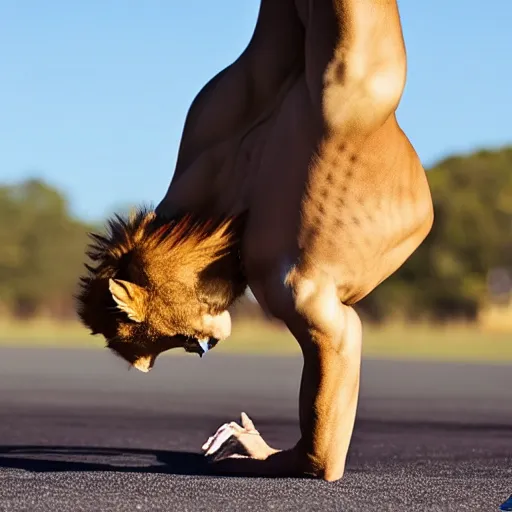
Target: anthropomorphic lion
x=293, y=177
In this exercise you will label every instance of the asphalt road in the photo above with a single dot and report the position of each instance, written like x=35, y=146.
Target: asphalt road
x=78, y=432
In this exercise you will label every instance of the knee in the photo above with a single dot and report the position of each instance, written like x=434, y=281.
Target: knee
x=360, y=95
x=379, y=68
x=384, y=79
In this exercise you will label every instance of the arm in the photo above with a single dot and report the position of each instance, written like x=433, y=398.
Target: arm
x=327, y=402
x=328, y=396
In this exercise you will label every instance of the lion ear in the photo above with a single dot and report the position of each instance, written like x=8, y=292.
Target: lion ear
x=130, y=298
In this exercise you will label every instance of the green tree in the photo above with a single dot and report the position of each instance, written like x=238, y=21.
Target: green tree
x=43, y=249
x=472, y=234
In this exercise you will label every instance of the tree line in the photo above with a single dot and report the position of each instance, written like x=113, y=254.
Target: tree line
x=465, y=262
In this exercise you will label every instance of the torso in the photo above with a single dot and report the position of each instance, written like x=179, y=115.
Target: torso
x=349, y=222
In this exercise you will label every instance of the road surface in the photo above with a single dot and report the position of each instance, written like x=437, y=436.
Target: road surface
x=80, y=432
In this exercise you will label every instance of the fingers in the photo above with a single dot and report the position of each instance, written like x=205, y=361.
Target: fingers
x=223, y=434
x=210, y=439
x=229, y=431
x=218, y=439
x=207, y=444
x=236, y=427
x=248, y=424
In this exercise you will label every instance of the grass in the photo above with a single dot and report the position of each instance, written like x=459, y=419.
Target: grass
x=427, y=342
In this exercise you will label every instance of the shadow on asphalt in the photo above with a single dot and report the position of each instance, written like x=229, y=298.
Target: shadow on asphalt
x=59, y=458
x=67, y=459
x=72, y=458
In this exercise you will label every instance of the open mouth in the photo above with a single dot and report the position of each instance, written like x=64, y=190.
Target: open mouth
x=143, y=357
x=200, y=346
x=192, y=345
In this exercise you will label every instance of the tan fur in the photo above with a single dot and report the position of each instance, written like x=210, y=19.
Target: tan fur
x=299, y=133
x=143, y=294
x=189, y=240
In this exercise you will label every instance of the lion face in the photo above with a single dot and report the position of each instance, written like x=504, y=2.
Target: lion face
x=160, y=284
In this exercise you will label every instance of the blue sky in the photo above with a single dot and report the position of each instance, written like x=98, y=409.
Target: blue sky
x=93, y=95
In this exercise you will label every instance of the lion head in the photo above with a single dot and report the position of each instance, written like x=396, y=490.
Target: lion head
x=158, y=283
